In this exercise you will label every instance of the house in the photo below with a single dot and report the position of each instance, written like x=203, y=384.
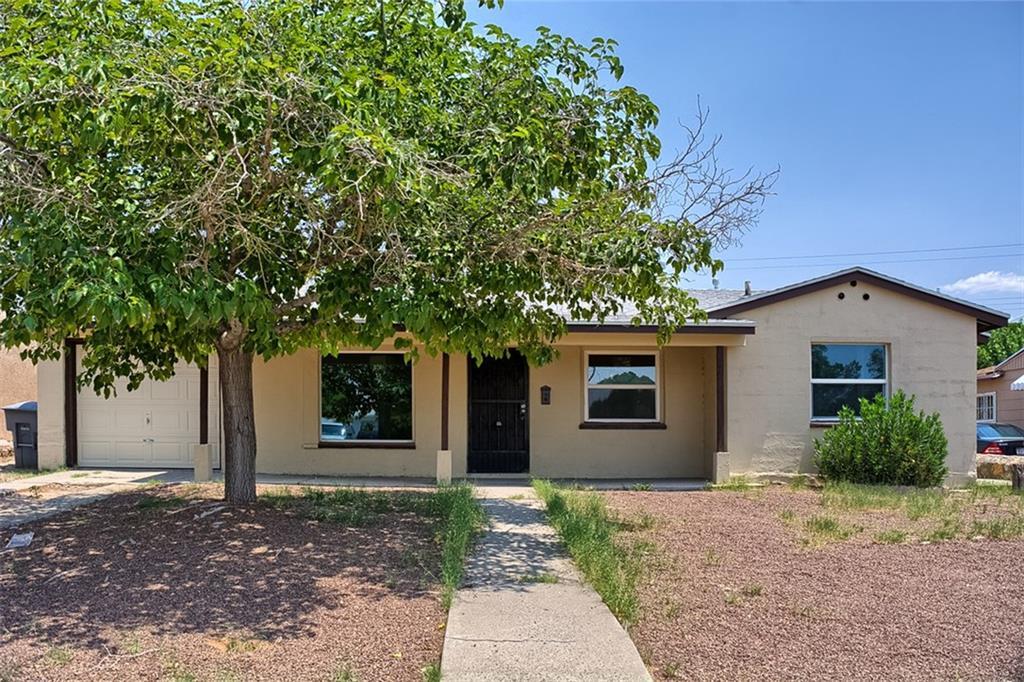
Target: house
x=744, y=392
x=17, y=384
x=998, y=400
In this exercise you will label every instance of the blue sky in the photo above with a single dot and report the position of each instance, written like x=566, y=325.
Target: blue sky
x=897, y=126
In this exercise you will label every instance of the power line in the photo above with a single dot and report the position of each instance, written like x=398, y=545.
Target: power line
x=876, y=262
x=878, y=253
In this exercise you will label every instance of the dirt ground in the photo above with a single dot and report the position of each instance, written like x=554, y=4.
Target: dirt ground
x=741, y=587
x=161, y=585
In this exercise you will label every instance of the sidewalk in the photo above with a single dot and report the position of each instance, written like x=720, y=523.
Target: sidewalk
x=524, y=613
x=75, y=487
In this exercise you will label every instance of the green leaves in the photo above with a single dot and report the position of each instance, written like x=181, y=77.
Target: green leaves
x=320, y=171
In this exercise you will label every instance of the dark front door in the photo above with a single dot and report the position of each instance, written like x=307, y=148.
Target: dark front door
x=499, y=441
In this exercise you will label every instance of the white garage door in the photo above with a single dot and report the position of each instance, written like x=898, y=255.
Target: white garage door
x=152, y=426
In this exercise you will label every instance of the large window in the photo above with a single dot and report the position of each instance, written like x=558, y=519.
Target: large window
x=842, y=373
x=622, y=387
x=365, y=397
x=986, y=407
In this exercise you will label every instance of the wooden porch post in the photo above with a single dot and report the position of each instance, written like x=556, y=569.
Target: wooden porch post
x=721, y=442
x=444, y=455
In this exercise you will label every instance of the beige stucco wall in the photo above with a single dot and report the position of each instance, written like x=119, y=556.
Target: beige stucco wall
x=932, y=355
x=560, y=449
x=50, y=389
x=17, y=383
x=287, y=421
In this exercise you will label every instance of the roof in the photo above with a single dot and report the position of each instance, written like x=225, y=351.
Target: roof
x=999, y=366
x=987, y=318
x=623, y=320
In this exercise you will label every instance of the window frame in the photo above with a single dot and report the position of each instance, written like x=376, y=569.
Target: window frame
x=634, y=387
x=977, y=409
x=401, y=443
x=884, y=383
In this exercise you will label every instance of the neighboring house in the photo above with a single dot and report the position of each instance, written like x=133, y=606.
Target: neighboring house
x=746, y=391
x=997, y=401
x=17, y=384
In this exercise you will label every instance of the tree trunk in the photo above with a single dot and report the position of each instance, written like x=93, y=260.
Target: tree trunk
x=1017, y=476
x=239, y=424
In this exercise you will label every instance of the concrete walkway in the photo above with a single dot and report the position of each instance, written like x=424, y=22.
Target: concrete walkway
x=524, y=613
x=84, y=486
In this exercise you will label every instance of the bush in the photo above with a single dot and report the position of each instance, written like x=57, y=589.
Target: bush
x=888, y=444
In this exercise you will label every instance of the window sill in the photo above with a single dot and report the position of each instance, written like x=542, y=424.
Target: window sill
x=365, y=445
x=823, y=423
x=624, y=426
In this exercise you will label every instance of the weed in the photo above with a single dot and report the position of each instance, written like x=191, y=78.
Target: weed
x=588, y=530
x=787, y=515
x=924, y=503
x=823, y=527
x=58, y=656
x=798, y=482
x=712, y=557
x=131, y=645
x=735, y=483
x=159, y=502
x=461, y=519
x=733, y=598
x=890, y=537
x=752, y=590
x=672, y=608
x=802, y=611
x=948, y=529
x=857, y=496
x=432, y=673
x=641, y=521
x=640, y=487
x=670, y=671
x=344, y=674
x=1007, y=528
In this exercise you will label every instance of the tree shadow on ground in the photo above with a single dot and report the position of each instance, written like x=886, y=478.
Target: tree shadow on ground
x=167, y=568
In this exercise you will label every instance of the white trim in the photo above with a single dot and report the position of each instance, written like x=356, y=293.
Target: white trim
x=635, y=387
x=977, y=407
x=320, y=400
x=884, y=383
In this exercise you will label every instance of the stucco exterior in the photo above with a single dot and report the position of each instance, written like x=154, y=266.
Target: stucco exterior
x=766, y=398
x=931, y=355
x=287, y=412
x=17, y=383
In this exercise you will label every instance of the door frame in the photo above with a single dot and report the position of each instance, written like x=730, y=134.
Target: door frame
x=470, y=367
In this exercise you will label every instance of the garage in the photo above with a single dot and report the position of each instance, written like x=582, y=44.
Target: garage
x=155, y=425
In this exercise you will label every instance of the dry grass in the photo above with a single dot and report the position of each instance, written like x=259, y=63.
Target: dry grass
x=849, y=582
x=168, y=584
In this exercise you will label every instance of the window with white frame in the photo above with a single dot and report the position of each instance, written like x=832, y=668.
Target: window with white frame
x=622, y=387
x=843, y=373
x=986, y=407
x=365, y=397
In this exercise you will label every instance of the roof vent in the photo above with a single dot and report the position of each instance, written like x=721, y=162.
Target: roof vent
x=714, y=283
x=746, y=288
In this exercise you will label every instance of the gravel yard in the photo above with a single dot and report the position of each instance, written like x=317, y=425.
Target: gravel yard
x=791, y=584
x=168, y=584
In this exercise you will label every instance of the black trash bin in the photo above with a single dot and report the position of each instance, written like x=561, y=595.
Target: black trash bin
x=22, y=420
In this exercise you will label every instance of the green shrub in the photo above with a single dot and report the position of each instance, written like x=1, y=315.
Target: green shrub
x=888, y=444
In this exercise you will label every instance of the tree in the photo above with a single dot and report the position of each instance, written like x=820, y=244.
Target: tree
x=1001, y=344
x=182, y=177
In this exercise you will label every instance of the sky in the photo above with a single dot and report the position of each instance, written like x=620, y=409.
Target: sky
x=898, y=127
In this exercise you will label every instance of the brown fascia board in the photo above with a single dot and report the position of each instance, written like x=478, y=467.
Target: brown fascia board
x=986, y=317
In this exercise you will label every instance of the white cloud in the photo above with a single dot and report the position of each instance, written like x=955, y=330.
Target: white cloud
x=992, y=282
